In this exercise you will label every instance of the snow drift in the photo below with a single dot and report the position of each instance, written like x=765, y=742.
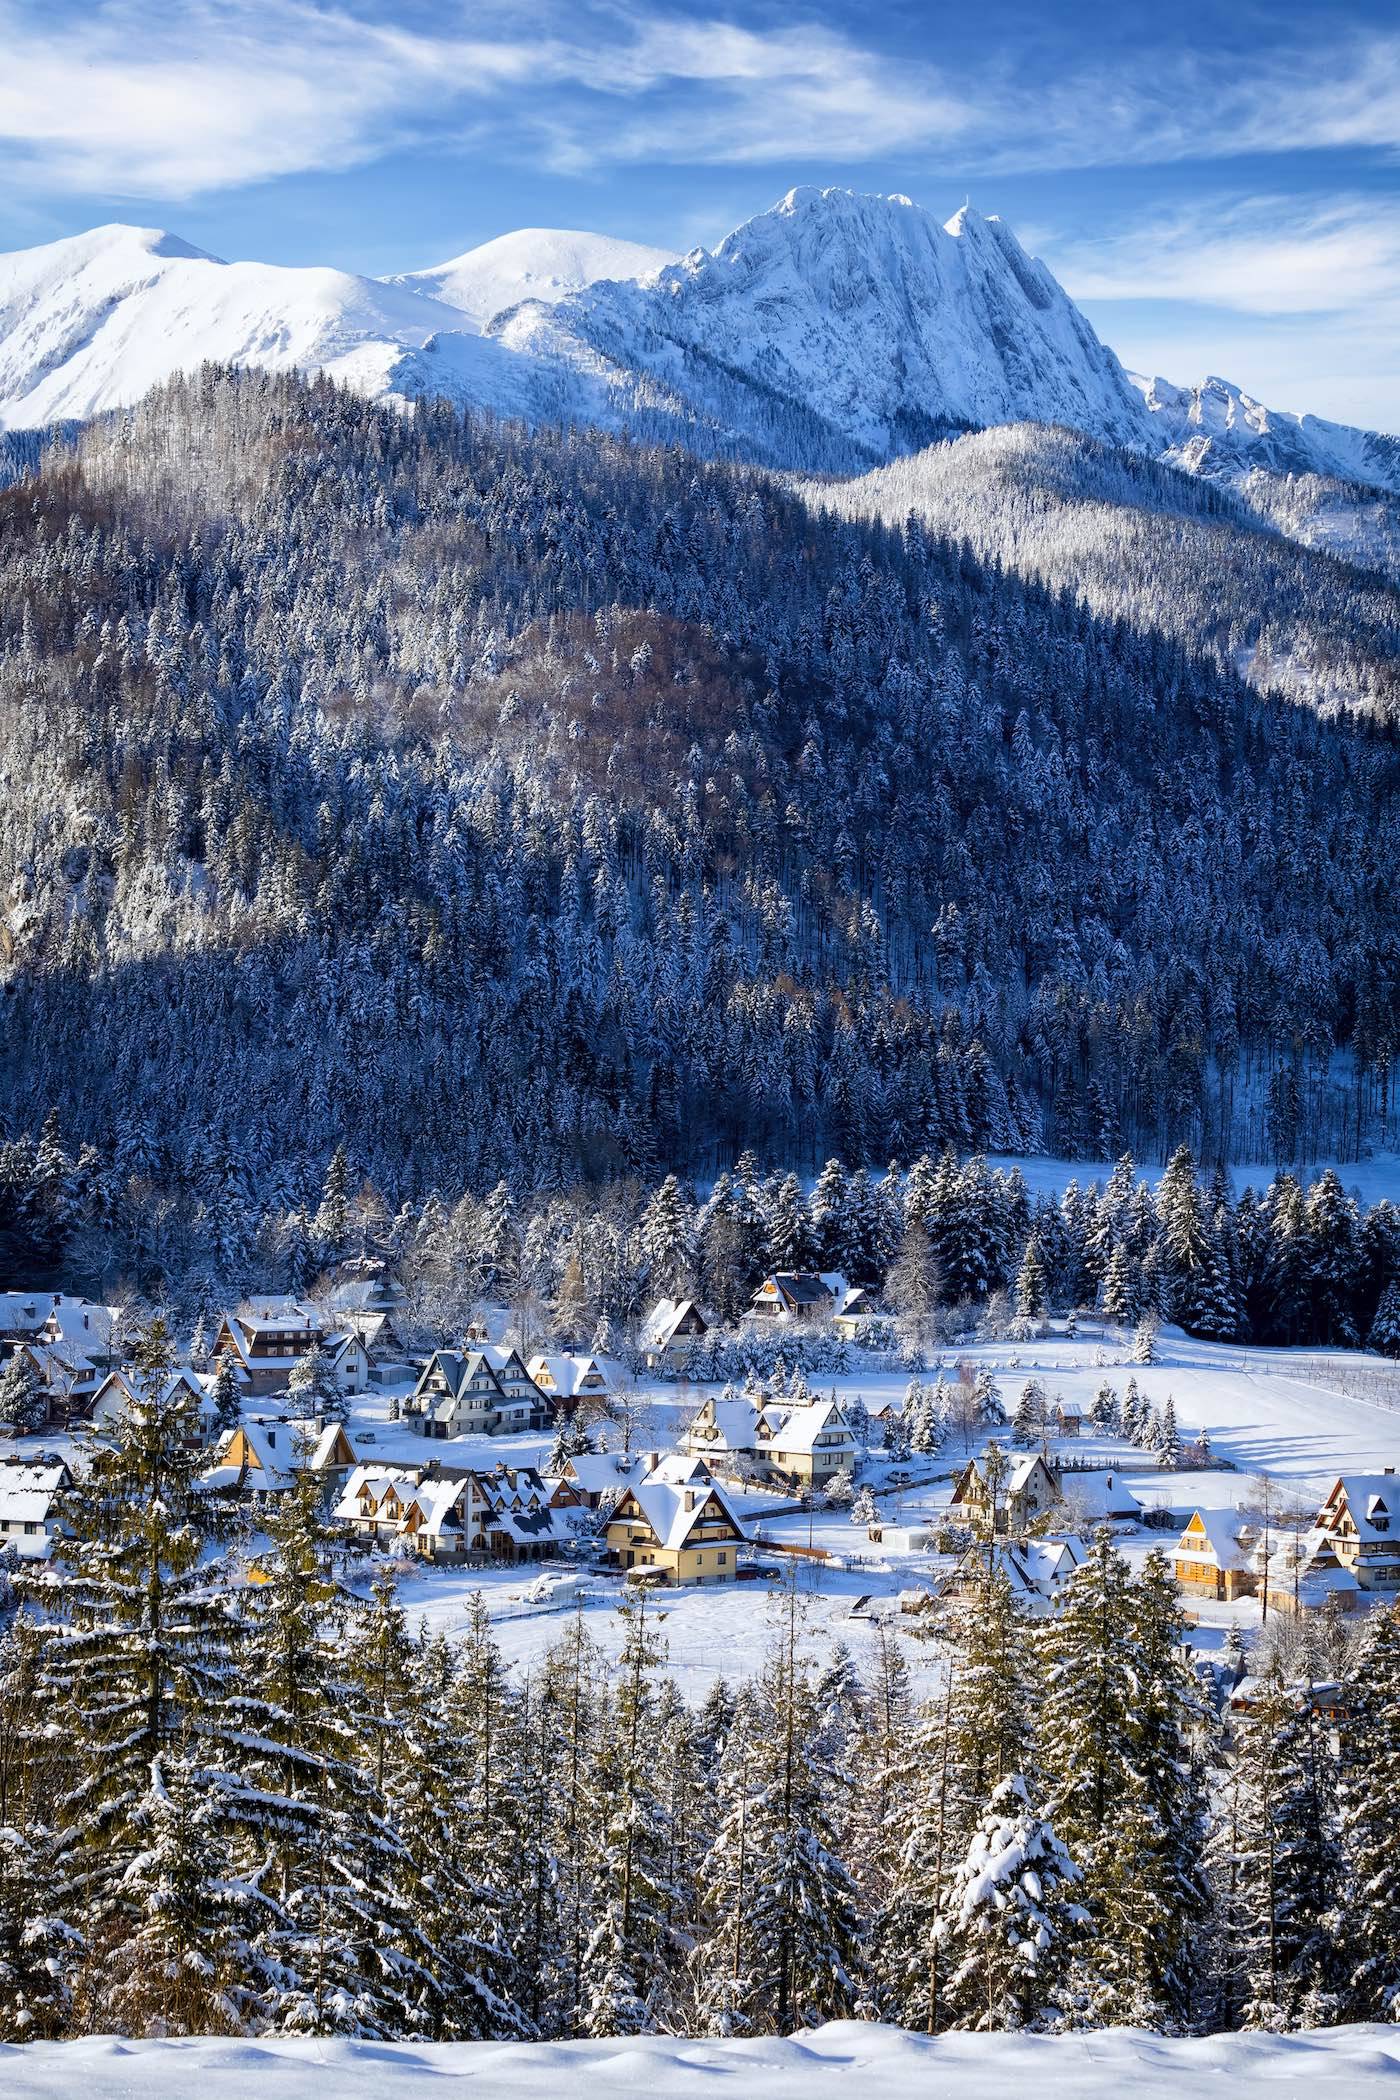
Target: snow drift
x=843, y=2061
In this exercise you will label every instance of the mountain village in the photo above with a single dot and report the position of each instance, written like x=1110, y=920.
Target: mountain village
x=566, y=1478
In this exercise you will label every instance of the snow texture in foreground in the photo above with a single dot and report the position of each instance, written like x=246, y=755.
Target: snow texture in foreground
x=844, y=2061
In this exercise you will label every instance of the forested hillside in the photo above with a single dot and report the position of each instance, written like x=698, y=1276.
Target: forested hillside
x=1218, y=570
x=536, y=804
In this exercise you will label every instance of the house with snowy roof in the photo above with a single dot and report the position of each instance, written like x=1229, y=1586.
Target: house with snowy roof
x=567, y=1380
x=671, y=1330
x=121, y=1389
x=264, y=1456
x=476, y=1391
x=1214, y=1556
x=798, y=1295
x=1007, y=1496
x=29, y=1493
x=1036, y=1571
x=675, y=1529
x=859, y=1304
x=67, y=1378
x=728, y=1430
x=451, y=1512
x=1359, y=1526
x=94, y=1331
x=267, y=1338
x=591, y=1478
x=811, y=1443
x=1094, y=1497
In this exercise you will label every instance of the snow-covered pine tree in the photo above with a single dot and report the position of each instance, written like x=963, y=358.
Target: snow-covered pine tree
x=668, y=1241
x=1120, y=1294
x=1370, y=1823
x=804, y=1924
x=1010, y=1921
x=223, y=1393
x=313, y=1391
x=726, y=1980
x=1032, y=1295
x=1104, y=1411
x=1288, y=1865
x=627, y=1966
x=183, y=1963
x=22, y=1402
x=1169, y=1442
x=340, y=1951
x=1385, y=1328
x=142, y=1658
x=1028, y=1422
x=1122, y=1779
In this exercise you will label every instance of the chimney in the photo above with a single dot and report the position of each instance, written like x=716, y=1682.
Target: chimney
x=1390, y=1469
x=689, y=1499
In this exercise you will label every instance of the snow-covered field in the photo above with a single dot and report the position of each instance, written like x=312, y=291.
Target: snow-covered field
x=844, y=2061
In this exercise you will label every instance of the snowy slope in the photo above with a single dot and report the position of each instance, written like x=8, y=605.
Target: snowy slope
x=95, y=321
x=1217, y=428
x=542, y=263
x=843, y=2061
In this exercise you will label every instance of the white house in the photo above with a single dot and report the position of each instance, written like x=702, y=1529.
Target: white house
x=29, y=1490
x=671, y=1330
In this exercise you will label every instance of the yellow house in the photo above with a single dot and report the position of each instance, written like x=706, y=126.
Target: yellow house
x=684, y=1530
x=1212, y=1557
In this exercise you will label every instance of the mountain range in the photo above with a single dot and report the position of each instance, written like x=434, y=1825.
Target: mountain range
x=832, y=333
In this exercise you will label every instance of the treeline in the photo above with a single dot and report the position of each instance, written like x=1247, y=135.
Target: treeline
x=269, y=1806
x=945, y=1245
x=541, y=805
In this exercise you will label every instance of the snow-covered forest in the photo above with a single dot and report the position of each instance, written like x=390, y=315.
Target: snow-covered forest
x=543, y=806
x=1139, y=541
x=268, y=1805
x=946, y=1246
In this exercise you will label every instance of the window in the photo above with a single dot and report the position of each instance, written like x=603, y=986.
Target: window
x=723, y=1559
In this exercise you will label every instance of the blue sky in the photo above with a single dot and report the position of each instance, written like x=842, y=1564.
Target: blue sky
x=1218, y=185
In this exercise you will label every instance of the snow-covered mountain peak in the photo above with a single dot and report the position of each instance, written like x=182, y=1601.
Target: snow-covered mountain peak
x=871, y=318
x=536, y=262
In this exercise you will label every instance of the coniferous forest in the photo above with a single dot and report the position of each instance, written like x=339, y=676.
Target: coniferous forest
x=548, y=808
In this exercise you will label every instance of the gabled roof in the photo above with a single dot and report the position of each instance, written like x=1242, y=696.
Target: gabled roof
x=662, y=1505
x=739, y=1425
x=1096, y=1495
x=665, y=1317
x=597, y=1472
x=1217, y=1538
x=801, y=1287
x=799, y=1427
x=1368, y=1497
x=565, y=1374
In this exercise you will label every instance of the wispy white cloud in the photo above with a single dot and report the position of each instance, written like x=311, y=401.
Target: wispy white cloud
x=1299, y=301
x=147, y=97
x=1256, y=255
x=139, y=97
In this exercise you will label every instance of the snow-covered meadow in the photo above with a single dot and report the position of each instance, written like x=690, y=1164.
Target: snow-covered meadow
x=846, y=2060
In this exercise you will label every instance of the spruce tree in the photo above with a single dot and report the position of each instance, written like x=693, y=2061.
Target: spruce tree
x=1370, y=1823
x=1010, y=1921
